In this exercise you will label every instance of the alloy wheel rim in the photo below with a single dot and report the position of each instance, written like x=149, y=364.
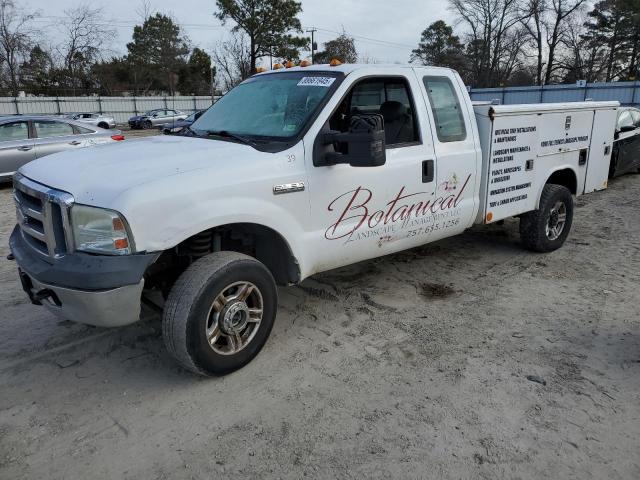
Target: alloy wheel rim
x=234, y=318
x=556, y=221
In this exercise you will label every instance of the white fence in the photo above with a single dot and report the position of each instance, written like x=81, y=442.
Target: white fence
x=121, y=108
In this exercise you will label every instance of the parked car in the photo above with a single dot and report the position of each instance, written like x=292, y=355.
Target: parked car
x=156, y=118
x=177, y=126
x=625, y=157
x=24, y=138
x=97, y=119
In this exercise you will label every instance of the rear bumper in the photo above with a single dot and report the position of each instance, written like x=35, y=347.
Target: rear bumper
x=103, y=308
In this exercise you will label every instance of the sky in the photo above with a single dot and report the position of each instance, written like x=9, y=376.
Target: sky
x=384, y=30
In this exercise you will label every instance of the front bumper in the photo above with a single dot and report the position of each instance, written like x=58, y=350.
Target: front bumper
x=136, y=123
x=97, y=290
x=103, y=308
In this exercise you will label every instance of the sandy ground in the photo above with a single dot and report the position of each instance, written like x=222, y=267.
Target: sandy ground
x=409, y=366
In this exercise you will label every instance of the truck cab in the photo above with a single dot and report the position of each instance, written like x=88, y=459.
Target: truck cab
x=293, y=172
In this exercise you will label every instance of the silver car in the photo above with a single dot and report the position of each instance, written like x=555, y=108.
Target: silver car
x=156, y=118
x=24, y=138
x=97, y=119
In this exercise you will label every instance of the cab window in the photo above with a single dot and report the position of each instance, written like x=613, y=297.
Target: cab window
x=52, y=129
x=387, y=96
x=14, y=131
x=446, y=109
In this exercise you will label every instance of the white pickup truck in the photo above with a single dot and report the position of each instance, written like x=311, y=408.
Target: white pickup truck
x=293, y=172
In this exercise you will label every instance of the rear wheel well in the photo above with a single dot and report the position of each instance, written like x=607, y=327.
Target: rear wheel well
x=260, y=242
x=566, y=178
x=103, y=125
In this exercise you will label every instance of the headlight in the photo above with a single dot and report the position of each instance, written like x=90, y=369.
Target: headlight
x=99, y=230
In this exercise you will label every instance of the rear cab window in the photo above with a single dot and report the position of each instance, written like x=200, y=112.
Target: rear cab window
x=446, y=109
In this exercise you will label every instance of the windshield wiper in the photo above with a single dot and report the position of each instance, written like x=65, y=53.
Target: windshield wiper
x=234, y=136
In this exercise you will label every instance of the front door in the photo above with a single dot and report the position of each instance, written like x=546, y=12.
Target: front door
x=16, y=148
x=365, y=212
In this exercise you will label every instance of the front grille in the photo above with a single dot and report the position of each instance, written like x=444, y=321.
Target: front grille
x=43, y=216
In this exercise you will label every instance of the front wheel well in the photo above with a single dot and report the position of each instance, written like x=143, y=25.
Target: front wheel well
x=260, y=242
x=567, y=178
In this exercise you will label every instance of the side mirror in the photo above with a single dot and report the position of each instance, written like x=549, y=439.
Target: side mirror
x=363, y=145
x=628, y=128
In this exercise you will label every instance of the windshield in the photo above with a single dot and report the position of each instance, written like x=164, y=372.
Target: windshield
x=277, y=106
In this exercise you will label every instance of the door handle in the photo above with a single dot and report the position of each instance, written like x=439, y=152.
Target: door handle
x=25, y=148
x=75, y=142
x=582, y=157
x=427, y=171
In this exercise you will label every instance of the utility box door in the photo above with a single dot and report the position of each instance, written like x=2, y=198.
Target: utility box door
x=510, y=183
x=567, y=133
x=604, y=126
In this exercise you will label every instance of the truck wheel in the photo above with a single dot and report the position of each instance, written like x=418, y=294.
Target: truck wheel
x=219, y=313
x=546, y=229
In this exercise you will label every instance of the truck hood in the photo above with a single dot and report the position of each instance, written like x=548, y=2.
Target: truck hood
x=96, y=175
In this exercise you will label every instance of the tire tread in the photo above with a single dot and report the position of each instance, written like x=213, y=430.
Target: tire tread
x=181, y=299
x=531, y=235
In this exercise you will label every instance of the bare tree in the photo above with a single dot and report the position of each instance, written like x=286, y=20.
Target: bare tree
x=533, y=22
x=85, y=35
x=488, y=23
x=556, y=32
x=144, y=10
x=582, y=59
x=16, y=39
x=232, y=58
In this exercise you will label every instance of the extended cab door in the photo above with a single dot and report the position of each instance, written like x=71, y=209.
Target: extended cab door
x=456, y=145
x=364, y=212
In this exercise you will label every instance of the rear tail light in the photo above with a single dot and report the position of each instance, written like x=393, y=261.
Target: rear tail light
x=117, y=138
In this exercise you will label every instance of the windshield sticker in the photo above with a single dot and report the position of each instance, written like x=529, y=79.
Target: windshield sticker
x=316, y=81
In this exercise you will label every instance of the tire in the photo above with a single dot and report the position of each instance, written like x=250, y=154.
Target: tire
x=193, y=312
x=103, y=125
x=540, y=229
x=146, y=125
